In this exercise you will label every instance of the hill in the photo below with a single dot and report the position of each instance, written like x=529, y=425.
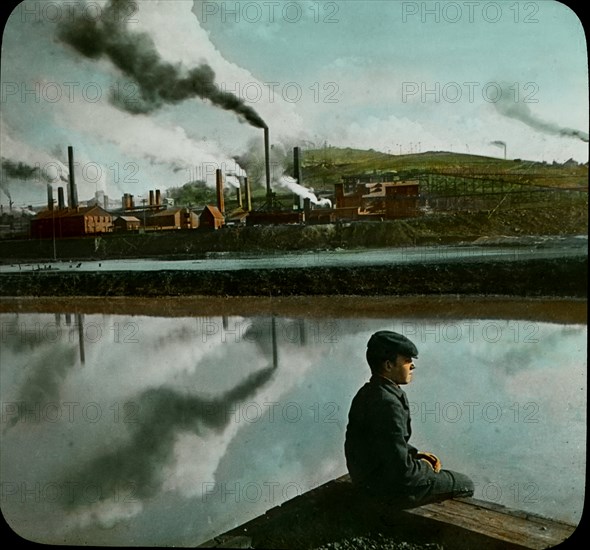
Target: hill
x=324, y=167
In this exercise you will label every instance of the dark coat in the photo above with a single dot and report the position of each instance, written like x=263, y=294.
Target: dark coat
x=378, y=454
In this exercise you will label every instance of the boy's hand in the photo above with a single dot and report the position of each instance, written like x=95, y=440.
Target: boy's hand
x=431, y=459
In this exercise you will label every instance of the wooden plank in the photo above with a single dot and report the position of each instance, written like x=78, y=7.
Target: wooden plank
x=461, y=523
x=531, y=532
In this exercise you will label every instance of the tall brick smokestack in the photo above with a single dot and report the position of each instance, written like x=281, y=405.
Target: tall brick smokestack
x=49, y=197
x=239, y=193
x=307, y=209
x=61, y=202
x=73, y=191
x=219, y=188
x=297, y=175
x=297, y=164
x=267, y=160
x=248, y=194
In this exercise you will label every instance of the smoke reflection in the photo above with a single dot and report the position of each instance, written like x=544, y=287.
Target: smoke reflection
x=164, y=414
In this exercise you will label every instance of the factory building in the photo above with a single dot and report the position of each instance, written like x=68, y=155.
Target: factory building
x=126, y=223
x=365, y=197
x=70, y=222
x=211, y=218
x=175, y=218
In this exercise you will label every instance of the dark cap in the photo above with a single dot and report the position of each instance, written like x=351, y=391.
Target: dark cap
x=387, y=343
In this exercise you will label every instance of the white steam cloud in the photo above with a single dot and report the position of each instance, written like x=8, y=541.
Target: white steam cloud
x=291, y=184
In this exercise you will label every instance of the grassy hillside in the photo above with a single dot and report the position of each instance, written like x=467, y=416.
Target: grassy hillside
x=324, y=167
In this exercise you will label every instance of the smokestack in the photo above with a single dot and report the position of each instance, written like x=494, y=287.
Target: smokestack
x=267, y=160
x=158, y=198
x=297, y=164
x=73, y=192
x=307, y=209
x=49, y=197
x=61, y=203
x=128, y=201
x=297, y=176
x=239, y=193
x=248, y=194
x=219, y=187
x=151, y=198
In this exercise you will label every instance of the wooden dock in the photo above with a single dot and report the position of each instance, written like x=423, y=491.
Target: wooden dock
x=336, y=511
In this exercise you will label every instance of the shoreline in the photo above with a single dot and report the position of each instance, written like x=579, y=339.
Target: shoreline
x=564, y=277
x=443, y=307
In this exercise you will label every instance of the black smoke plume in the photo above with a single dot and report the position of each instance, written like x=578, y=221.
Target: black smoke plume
x=135, y=54
x=512, y=107
x=19, y=170
x=16, y=170
x=11, y=170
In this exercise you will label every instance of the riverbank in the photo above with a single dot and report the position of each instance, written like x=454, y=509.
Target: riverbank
x=558, y=277
x=444, y=308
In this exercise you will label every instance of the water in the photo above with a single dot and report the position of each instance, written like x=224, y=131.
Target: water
x=502, y=248
x=136, y=430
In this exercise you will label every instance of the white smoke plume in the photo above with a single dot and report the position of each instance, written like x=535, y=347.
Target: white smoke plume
x=291, y=184
x=231, y=179
x=142, y=137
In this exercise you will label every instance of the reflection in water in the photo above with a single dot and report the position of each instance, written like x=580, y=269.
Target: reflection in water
x=80, y=323
x=178, y=429
x=46, y=369
x=138, y=464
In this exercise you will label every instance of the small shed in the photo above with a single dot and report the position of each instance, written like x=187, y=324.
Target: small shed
x=127, y=223
x=211, y=218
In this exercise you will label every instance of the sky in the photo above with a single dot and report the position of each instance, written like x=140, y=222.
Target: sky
x=155, y=93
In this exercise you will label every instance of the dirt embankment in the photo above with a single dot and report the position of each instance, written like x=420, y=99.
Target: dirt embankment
x=564, y=277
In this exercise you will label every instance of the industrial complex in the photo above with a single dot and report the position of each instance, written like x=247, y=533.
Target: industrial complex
x=374, y=195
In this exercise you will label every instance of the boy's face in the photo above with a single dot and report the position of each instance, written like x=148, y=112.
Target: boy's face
x=400, y=370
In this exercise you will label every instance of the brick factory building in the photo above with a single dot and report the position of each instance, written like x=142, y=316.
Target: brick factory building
x=71, y=222
x=375, y=197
